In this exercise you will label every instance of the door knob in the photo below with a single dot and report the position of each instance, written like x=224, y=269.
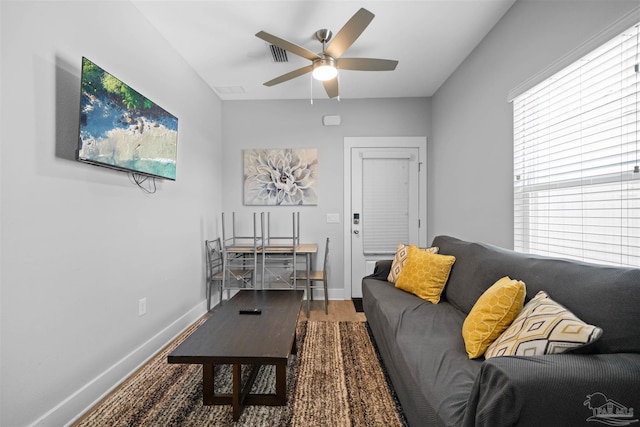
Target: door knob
x=356, y=231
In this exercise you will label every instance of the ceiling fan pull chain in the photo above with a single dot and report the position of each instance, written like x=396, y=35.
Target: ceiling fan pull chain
x=311, y=88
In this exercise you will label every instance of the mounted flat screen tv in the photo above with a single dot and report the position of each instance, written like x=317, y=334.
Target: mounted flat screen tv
x=123, y=130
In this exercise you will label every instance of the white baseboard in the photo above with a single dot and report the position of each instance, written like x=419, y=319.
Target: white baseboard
x=72, y=408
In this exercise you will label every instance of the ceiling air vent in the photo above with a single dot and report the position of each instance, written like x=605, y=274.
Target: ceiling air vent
x=278, y=54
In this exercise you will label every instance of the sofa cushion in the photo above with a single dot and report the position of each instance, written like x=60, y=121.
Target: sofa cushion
x=543, y=327
x=425, y=353
x=425, y=274
x=492, y=314
x=600, y=295
x=400, y=259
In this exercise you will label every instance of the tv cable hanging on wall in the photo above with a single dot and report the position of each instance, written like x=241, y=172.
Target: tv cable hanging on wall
x=140, y=180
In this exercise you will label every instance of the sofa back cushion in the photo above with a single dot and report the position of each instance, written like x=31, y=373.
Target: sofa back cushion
x=607, y=297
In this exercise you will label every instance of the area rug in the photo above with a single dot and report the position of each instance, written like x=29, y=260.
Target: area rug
x=335, y=380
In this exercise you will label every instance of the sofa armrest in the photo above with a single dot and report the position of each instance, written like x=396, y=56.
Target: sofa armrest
x=562, y=389
x=381, y=270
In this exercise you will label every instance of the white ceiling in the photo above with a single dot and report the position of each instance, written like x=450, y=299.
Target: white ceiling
x=429, y=38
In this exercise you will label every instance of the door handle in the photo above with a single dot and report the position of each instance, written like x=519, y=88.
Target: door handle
x=356, y=231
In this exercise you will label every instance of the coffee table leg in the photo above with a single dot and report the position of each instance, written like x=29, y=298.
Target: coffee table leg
x=281, y=383
x=240, y=395
x=208, y=391
x=237, y=390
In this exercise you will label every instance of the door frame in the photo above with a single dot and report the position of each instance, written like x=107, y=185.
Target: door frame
x=419, y=142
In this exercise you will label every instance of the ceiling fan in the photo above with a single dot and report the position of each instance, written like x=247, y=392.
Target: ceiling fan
x=325, y=65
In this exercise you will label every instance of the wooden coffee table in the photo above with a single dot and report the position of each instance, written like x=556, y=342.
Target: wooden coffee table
x=231, y=338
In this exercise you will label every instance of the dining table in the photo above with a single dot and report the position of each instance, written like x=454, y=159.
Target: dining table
x=306, y=250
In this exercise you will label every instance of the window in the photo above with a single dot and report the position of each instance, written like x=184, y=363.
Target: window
x=576, y=170
x=386, y=200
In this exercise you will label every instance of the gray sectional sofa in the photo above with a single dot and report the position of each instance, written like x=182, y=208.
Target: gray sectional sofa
x=438, y=385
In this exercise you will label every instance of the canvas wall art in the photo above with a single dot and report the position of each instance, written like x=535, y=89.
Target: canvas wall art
x=281, y=177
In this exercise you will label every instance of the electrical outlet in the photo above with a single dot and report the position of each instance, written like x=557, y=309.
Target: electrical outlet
x=142, y=307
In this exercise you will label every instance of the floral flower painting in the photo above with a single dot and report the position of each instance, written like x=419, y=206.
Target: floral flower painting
x=281, y=177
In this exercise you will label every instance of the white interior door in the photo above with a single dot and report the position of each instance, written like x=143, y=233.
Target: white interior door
x=385, y=206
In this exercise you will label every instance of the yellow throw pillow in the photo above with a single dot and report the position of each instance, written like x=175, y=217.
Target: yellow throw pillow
x=543, y=327
x=494, y=311
x=401, y=258
x=424, y=274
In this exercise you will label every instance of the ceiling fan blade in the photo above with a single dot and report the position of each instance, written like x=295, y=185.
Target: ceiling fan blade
x=349, y=33
x=367, y=64
x=291, y=75
x=331, y=86
x=288, y=46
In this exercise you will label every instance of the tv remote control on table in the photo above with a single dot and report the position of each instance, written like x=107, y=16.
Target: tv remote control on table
x=251, y=311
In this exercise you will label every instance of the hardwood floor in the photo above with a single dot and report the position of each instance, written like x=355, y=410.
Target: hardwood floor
x=339, y=310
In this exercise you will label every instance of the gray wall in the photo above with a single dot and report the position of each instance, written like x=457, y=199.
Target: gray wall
x=81, y=244
x=471, y=166
x=288, y=124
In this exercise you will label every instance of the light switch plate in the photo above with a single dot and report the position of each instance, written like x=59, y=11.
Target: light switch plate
x=333, y=218
x=142, y=306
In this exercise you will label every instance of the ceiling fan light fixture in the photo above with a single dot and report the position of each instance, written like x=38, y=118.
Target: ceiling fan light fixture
x=324, y=68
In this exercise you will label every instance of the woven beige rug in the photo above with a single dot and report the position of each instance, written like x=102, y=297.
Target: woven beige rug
x=335, y=380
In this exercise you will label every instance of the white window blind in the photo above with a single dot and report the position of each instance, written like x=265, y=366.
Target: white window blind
x=576, y=170
x=385, y=204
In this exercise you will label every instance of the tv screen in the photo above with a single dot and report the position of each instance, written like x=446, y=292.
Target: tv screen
x=121, y=129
